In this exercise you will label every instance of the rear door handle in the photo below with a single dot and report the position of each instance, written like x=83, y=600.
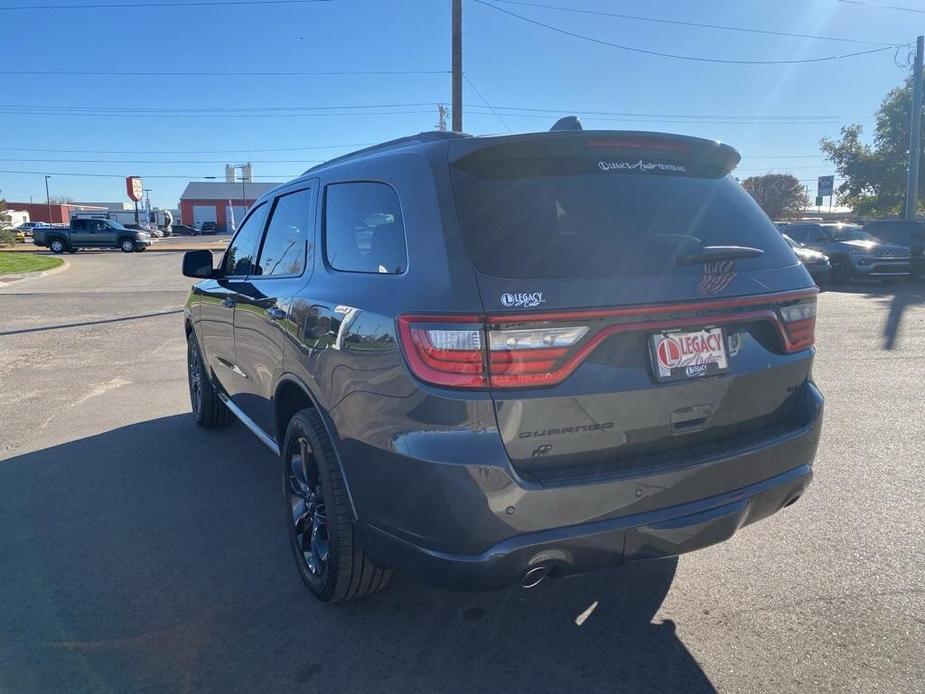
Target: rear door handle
x=229, y=302
x=276, y=313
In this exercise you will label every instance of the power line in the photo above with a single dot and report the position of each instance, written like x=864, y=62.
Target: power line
x=128, y=109
x=560, y=111
x=699, y=25
x=667, y=120
x=69, y=113
x=220, y=73
x=882, y=7
x=136, y=5
x=691, y=58
x=165, y=161
x=122, y=175
x=185, y=151
x=485, y=101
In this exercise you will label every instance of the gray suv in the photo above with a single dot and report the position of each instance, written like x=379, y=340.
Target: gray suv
x=491, y=360
x=853, y=252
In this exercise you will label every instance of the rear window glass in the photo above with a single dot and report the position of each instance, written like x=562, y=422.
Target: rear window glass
x=568, y=219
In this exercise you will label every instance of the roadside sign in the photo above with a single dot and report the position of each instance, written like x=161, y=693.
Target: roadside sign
x=825, y=185
x=818, y=201
x=134, y=187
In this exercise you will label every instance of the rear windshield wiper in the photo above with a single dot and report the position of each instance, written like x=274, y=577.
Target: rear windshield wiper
x=709, y=254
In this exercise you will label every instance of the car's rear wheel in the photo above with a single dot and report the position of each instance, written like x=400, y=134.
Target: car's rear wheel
x=127, y=245
x=208, y=409
x=57, y=246
x=841, y=271
x=320, y=523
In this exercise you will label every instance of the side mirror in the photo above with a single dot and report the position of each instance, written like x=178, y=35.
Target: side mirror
x=198, y=264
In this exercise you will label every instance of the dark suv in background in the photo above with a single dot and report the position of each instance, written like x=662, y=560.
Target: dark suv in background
x=902, y=232
x=852, y=251
x=489, y=360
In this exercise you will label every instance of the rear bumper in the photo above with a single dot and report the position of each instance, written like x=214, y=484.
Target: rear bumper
x=593, y=546
x=471, y=528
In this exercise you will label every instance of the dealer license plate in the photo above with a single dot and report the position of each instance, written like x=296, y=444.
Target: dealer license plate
x=682, y=354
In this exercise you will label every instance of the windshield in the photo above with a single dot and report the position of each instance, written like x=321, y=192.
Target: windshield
x=850, y=233
x=568, y=219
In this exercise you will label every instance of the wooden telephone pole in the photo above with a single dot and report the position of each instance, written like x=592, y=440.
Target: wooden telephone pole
x=457, y=66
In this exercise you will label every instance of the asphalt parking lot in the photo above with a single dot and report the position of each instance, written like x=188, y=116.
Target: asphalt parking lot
x=140, y=553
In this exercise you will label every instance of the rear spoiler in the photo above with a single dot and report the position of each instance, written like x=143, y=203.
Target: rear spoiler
x=605, y=145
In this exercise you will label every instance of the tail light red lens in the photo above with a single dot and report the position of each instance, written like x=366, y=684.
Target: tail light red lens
x=799, y=323
x=445, y=351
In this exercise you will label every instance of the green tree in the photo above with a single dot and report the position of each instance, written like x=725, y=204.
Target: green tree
x=874, y=175
x=6, y=234
x=779, y=195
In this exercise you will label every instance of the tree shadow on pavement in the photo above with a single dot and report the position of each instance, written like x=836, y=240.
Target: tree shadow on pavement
x=154, y=556
x=896, y=298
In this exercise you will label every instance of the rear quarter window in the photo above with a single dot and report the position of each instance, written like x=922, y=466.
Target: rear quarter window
x=363, y=228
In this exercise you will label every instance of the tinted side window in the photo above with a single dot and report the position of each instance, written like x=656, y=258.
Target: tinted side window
x=240, y=258
x=798, y=234
x=287, y=236
x=363, y=228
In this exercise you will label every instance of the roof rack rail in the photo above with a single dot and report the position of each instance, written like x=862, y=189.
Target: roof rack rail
x=420, y=138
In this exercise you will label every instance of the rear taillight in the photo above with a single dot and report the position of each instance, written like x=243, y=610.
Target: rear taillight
x=452, y=351
x=799, y=323
x=445, y=350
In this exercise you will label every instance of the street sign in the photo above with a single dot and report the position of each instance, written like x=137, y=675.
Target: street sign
x=818, y=201
x=825, y=185
x=134, y=187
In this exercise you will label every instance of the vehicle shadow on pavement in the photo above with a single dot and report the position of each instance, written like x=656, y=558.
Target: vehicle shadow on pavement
x=896, y=298
x=154, y=556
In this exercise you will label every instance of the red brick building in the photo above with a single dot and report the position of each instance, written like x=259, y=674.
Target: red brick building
x=219, y=202
x=60, y=214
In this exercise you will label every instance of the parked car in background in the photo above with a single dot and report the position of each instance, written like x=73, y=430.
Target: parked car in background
x=902, y=232
x=852, y=252
x=185, y=230
x=28, y=227
x=91, y=233
x=209, y=228
x=512, y=359
x=816, y=263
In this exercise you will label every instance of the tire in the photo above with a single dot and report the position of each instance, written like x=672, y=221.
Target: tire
x=57, y=246
x=841, y=271
x=318, y=518
x=127, y=245
x=208, y=409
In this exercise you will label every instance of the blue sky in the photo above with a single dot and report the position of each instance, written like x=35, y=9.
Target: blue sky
x=781, y=110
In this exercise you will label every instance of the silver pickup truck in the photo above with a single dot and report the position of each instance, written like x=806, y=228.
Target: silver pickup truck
x=91, y=233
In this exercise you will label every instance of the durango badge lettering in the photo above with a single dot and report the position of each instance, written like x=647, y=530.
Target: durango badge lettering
x=522, y=299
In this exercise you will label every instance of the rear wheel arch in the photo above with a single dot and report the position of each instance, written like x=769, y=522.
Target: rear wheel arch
x=292, y=396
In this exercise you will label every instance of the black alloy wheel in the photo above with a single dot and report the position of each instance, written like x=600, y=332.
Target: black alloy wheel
x=308, y=512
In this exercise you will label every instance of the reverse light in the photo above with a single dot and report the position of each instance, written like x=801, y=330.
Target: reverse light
x=445, y=351
x=799, y=323
x=535, y=338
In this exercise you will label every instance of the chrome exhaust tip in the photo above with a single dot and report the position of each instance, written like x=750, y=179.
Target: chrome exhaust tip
x=533, y=577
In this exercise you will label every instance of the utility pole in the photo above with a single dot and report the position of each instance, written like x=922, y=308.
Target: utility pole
x=915, y=133
x=48, y=198
x=457, y=66
x=147, y=192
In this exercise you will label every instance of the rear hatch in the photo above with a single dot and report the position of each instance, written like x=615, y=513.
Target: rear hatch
x=606, y=349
